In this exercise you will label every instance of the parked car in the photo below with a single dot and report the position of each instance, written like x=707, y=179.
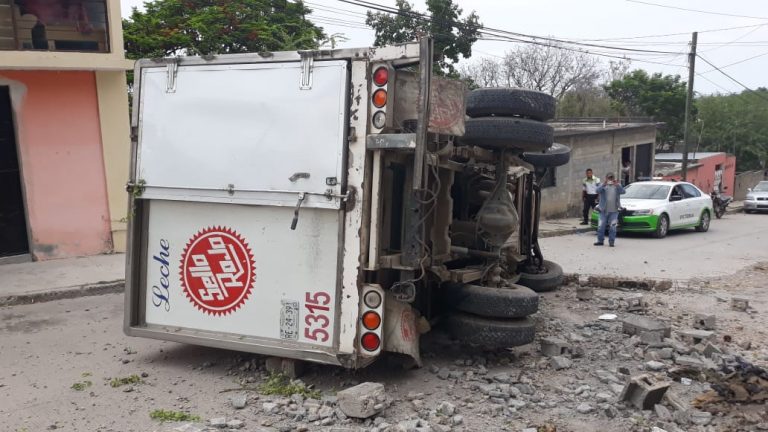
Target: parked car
x=757, y=198
x=659, y=206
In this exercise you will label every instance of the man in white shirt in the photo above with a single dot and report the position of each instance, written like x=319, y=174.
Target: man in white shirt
x=589, y=194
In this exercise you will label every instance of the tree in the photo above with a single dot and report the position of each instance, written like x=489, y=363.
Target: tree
x=453, y=35
x=659, y=96
x=590, y=101
x=736, y=124
x=201, y=27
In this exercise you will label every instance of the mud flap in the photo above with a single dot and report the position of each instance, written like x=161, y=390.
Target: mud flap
x=401, y=332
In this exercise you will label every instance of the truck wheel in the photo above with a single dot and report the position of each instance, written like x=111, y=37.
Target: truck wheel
x=491, y=333
x=500, y=133
x=516, y=301
x=486, y=102
x=555, y=156
x=549, y=280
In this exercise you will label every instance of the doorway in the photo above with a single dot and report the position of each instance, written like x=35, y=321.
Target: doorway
x=644, y=162
x=13, y=221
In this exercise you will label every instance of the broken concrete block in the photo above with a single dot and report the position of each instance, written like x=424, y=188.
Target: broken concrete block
x=695, y=337
x=551, y=347
x=636, y=303
x=559, y=362
x=740, y=304
x=655, y=365
x=644, y=391
x=710, y=349
x=663, y=285
x=704, y=321
x=690, y=362
x=635, y=324
x=651, y=337
x=362, y=401
x=584, y=293
x=701, y=418
x=662, y=412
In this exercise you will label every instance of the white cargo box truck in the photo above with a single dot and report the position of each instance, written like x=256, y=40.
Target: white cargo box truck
x=300, y=204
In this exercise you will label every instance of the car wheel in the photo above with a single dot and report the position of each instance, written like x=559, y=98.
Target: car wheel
x=510, y=102
x=548, y=280
x=748, y=211
x=703, y=225
x=515, y=301
x=501, y=133
x=662, y=228
x=490, y=332
x=555, y=156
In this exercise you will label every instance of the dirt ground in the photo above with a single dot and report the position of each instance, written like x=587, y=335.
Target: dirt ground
x=61, y=364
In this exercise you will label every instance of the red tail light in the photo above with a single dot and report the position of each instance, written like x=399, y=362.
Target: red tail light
x=381, y=76
x=379, y=98
x=370, y=342
x=371, y=320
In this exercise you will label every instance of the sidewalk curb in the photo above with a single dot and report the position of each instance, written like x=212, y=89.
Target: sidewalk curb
x=564, y=232
x=99, y=288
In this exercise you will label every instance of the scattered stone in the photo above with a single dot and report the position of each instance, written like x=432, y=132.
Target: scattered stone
x=704, y=321
x=502, y=378
x=443, y=374
x=270, y=407
x=710, y=349
x=446, y=408
x=584, y=293
x=457, y=420
x=584, y=408
x=636, y=303
x=235, y=424
x=662, y=412
x=701, y=418
x=745, y=345
x=434, y=369
x=525, y=389
x=552, y=347
x=651, y=337
x=604, y=397
x=694, y=337
x=644, y=391
x=559, y=362
x=238, y=400
x=666, y=353
x=655, y=366
x=218, y=422
x=690, y=362
x=363, y=400
x=740, y=304
x=635, y=324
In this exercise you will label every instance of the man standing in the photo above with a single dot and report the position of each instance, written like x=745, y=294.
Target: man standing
x=589, y=194
x=610, y=203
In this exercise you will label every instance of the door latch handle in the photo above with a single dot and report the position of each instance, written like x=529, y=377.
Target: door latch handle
x=296, y=211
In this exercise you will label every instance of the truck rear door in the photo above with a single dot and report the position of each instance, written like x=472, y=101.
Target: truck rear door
x=227, y=155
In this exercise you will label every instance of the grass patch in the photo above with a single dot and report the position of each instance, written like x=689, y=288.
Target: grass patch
x=173, y=416
x=133, y=379
x=279, y=384
x=80, y=386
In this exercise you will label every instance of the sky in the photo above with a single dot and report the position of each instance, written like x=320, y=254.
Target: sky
x=741, y=52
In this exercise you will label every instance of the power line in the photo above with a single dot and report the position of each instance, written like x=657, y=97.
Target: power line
x=735, y=40
x=696, y=10
x=734, y=79
x=739, y=62
x=670, y=34
x=714, y=83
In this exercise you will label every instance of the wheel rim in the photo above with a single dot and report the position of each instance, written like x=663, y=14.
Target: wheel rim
x=663, y=223
x=705, y=221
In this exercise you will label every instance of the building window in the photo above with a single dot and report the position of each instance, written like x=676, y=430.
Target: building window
x=54, y=25
x=546, y=177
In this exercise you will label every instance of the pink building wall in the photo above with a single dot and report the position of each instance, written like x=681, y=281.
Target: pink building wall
x=703, y=175
x=62, y=166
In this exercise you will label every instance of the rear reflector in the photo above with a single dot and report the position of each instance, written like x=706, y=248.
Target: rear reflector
x=372, y=299
x=370, y=342
x=371, y=320
x=379, y=121
x=379, y=98
x=381, y=76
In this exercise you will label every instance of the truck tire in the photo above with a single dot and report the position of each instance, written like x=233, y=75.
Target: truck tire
x=509, y=102
x=489, y=332
x=516, y=301
x=555, y=156
x=543, y=282
x=501, y=133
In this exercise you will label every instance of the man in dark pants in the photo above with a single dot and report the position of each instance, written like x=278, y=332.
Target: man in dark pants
x=589, y=194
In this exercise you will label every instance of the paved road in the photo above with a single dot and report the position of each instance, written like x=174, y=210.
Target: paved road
x=732, y=243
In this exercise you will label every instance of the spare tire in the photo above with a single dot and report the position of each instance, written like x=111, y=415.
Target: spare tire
x=550, y=279
x=532, y=104
x=516, y=301
x=489, y=332
x=555, y=156
x=501, y=133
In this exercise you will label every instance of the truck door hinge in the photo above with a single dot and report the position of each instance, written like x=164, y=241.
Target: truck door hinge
x=295, y=220
x=171, y=70
x=307, y=64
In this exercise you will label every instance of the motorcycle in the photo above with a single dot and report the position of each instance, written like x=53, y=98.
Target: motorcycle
x=720, y=203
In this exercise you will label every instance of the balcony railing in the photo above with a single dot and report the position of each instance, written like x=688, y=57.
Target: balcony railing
x=54, y=25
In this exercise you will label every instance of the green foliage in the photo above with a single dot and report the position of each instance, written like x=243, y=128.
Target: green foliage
x=453, y=35
x=173, y=416
x=80, y=386
x=585, y=102
x=279, y=384
x=133, y=379
x=736, y=124
x=659, y=96
x=201, y=27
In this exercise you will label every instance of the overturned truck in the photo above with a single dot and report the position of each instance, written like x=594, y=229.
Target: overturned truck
x=333, y=205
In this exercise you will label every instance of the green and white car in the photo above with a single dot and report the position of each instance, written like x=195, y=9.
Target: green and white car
x=659, y=206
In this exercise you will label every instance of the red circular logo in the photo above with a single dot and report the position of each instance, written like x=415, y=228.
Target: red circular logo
x=217, y=270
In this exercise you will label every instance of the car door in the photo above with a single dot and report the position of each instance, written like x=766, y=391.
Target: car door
x=695, y=203
x=676, y=207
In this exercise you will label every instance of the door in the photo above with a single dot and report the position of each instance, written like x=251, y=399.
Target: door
x=643, y=162
x=13, y=223
x=677, y=208
x=694, y=203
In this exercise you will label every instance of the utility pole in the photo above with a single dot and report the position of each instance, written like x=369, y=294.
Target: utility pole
x=689, y=102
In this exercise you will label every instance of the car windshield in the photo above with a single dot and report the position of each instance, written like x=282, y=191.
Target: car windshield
x=761, y=187
x=646, y=191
